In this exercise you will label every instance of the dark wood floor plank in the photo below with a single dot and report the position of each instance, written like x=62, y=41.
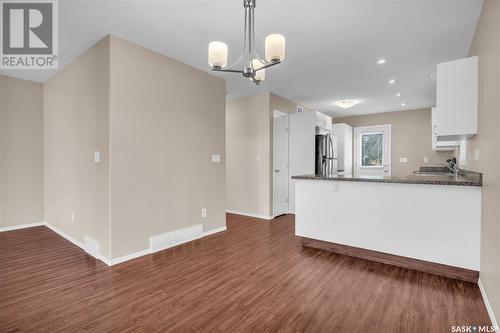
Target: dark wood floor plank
x=256, y=277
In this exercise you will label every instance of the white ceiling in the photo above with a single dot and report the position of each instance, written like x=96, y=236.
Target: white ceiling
x=331, y=50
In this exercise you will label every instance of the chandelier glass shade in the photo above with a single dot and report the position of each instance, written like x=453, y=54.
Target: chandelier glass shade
x=249, y=64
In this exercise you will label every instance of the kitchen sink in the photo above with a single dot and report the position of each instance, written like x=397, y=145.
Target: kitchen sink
x=430, y=173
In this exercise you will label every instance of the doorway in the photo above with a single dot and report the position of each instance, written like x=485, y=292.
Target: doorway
x=372, y=150
x=280, y=163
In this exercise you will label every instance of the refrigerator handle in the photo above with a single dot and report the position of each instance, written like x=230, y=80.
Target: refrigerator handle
x=331, y=146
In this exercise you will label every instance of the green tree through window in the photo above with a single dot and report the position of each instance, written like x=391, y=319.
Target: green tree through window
x=372, y=149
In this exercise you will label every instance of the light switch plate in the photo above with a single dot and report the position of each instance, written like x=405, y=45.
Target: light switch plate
x=426, y=160
x=403, y=160
x=203, y=212
x=216, y=158
x=97, y=157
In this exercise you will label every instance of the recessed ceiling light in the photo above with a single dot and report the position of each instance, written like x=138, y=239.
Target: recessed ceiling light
x=346, y=103
x=398, y=94
x=392, y=81
x=381, y=61
x=403, y=104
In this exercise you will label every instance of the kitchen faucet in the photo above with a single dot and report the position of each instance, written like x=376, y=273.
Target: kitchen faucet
x=452, y=166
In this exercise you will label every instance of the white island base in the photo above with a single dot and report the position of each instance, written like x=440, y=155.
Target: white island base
x=433, y=228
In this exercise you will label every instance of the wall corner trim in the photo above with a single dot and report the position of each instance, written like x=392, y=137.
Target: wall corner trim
x=488, y=306
x=259, y=216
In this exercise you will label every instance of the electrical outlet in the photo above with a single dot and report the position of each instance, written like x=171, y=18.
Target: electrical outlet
x=72, y=217
x=97, y=157
x=203, y=212
x=403, y=160
x=426, y=160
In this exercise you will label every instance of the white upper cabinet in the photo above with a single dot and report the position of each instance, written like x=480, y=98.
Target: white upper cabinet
x=323, y=121
x=457, y=99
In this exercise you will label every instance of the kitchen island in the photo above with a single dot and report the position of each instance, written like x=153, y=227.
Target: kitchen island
x=426, y=222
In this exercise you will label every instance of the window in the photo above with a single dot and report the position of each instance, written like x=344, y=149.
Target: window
x=372, y=149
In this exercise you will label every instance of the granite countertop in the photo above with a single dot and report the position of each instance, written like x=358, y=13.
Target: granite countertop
x=467, y=178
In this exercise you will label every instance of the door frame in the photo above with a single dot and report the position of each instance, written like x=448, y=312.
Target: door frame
x=277, y=113
x=356, y=148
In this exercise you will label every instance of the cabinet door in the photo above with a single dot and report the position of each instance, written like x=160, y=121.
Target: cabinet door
x=440, y=145
x=457, y=98
x=323, y=121
x=434, y=124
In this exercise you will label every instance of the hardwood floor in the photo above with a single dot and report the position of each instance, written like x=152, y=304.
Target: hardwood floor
x=254, y=277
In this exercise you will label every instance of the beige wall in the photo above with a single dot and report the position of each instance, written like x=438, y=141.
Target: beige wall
x=281, y=104
x=167, y=119
x=249, y=151
x=21, y=152
x=76, y=125
x=487, y=47
x=410, y=136
x=156, y=123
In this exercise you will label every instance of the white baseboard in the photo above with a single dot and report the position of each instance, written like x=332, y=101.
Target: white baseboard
x=214, y=231
x=107, y=261
x=22, y=226
x=488, y=306
x=259, y=216
x=61, y=233
x=144, y=252
x=128, y=257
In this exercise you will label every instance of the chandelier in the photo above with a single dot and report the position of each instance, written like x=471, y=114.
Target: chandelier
x=249, y=63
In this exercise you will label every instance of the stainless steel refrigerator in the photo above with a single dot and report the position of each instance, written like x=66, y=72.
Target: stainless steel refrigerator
x=326, y=155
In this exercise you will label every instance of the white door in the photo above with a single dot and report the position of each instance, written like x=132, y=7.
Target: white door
x=280, y=163
x=372, y=151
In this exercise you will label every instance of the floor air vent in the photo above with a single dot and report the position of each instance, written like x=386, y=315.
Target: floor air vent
x=173, y=238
